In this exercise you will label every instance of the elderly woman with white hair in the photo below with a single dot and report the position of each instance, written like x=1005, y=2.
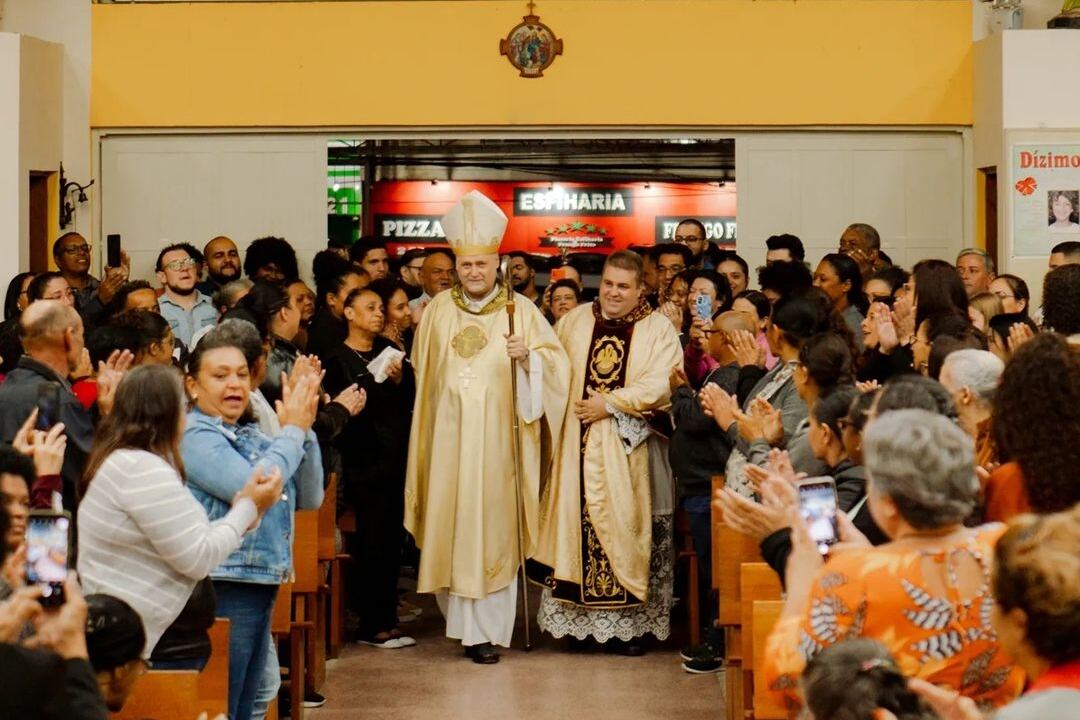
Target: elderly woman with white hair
x=926, y=594
x=973, y=376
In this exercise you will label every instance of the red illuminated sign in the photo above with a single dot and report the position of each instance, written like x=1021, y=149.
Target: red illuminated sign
x=546, y=218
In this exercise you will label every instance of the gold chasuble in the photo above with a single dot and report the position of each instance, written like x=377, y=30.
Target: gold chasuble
x=596, y=512
x=459, y=490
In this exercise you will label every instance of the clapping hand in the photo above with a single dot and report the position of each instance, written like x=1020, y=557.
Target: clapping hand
x=263, y=488
x=746, y=349
x=304, y=366
x=1019, y=333
x=763, y=422
x=110, y=373
x=299, y=401
x=886, y=330
x=718, y=405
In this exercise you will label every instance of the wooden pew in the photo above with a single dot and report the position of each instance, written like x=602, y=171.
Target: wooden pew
x=765, y=614
x=163, y=695
x=214, y=678
x=730, y=550
x=286, y=630
x=307, y=596
x=330, y=561
x=758, y=583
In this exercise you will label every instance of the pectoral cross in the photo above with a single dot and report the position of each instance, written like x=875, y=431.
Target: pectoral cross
x=467, y=376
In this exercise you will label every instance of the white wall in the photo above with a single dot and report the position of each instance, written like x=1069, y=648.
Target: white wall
x=189, y=188
x=66, y=22
x=11, y=247
x=1019, y=99
x=910, y=186
x=30, y=137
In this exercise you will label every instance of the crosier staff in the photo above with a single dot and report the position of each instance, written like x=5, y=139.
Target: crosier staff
x=516, y=446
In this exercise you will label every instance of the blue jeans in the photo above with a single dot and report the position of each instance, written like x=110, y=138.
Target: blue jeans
x=699, y=513
x=271, y=683
x=248, y=607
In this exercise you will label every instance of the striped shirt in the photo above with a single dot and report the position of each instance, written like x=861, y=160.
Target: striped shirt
x=145, y=539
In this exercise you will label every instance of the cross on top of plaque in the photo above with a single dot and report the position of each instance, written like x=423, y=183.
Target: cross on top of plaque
x=531, y=6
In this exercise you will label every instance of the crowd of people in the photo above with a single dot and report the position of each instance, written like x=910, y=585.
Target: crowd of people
x=181, y=421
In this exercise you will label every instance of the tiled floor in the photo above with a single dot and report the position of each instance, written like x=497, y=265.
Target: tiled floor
x=434, y=680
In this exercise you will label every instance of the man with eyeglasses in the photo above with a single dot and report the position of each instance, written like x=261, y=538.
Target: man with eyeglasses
x=409, y=265
x=71, y=251
x=691, y=234
x=186, y=309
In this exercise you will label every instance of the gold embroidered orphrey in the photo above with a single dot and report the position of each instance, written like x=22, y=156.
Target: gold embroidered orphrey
x=607, y=360
x=469, y=341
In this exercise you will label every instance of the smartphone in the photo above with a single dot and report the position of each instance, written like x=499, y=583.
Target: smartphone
x=558, y=273
x=703, y=306
x=817, y=503
x=48, y=535
x=112, y=250
x=48, y=405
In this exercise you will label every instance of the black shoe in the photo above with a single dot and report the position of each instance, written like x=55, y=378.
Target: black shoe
x=713, y=645
x=631, y=648
x=482, y=654
x=313, y=699
x=709, y=659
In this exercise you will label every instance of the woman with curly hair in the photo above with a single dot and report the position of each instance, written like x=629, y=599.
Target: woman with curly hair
x=1036, y=424
x=1061, y=301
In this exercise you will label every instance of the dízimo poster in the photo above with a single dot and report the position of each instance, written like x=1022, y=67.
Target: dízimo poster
x=1046, y=197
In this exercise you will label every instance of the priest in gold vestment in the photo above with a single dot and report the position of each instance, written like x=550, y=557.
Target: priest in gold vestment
x=605, y=549
x=460, y=499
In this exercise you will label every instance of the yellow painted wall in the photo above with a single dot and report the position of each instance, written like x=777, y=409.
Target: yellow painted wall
x=627, y=62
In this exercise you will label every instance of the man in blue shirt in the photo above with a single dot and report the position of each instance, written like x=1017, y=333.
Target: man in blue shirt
x=186, y=309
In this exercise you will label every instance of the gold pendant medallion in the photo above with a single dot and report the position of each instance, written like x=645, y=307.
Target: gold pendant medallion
x=469, y=341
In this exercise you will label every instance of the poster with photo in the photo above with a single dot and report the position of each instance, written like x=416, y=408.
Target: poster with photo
x=1046, y=197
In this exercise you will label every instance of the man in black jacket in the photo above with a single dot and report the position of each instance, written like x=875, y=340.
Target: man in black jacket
x=52, y=337
x=698, y=451
x=56, y=682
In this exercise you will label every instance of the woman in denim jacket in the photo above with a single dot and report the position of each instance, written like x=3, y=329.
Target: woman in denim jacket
x=221, y=448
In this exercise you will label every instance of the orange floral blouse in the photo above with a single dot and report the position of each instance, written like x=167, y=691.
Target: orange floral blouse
x=880, y=593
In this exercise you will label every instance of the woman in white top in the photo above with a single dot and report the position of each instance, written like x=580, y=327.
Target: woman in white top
x=143, y=537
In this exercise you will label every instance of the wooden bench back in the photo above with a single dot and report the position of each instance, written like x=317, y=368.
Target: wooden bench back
x=764, y=615
x=306, y=552
x=730, y=550
x=281, y=618
x=163, y=695
x=214, y=678
x=757, y=581
x=328, y=521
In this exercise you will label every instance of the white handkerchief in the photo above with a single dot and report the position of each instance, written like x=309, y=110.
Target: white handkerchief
x=377, y=367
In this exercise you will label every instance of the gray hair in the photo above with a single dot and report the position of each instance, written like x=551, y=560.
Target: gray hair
x=227, y=293
x=977, y=370
x=869, y=233
x=988, y=262
x=925, y=464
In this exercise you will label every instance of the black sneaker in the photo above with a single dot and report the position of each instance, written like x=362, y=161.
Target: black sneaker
x=709, y=659
x=313, y=699
x=713, y=645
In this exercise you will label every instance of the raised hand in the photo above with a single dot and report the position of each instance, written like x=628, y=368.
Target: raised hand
x=1019, y=333
x=770, y=419
x=746, y=516
x=718, y=405
x=747, y=351
x=673, y=313
x=299, y=403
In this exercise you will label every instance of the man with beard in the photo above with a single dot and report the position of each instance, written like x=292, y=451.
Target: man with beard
x=222, y=264
x=691, y=234
x=71, y=252
x=523, y=275
x=186, y=309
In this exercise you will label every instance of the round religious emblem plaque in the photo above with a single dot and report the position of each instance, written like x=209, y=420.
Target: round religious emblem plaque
x=531, y=47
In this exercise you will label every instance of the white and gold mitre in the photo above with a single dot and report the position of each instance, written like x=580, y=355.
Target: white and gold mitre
x=475, y=225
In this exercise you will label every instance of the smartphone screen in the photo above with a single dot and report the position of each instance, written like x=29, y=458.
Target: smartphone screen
x=817, y=503
x=112, y=250
x=704, y=307
x=47, y=535
x=48, y=405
